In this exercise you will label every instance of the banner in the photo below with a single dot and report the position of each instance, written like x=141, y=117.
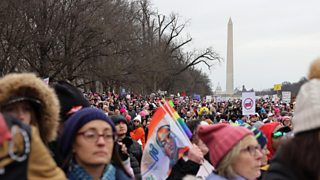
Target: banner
x=166, y=143
x=248, y=103
x=286, y=96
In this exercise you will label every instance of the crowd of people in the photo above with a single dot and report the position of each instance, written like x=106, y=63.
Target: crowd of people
x=58, y=132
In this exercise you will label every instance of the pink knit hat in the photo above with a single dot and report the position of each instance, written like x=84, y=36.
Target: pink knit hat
x=143, y=113
x=220, y=139
x=128, y=117
x=123, y=110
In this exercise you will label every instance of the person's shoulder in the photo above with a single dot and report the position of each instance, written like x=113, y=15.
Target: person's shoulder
x=140, y=129
x=278, y=170
x=135, y=143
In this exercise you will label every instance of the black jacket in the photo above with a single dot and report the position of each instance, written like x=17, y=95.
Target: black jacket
x=278, y=171
x=135, y=153
x=183, y=168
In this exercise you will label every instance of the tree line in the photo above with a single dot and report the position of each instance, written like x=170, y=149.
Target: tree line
x=116, y=43
x=286, y=86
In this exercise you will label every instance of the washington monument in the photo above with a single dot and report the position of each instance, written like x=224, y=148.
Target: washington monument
x=229, y=83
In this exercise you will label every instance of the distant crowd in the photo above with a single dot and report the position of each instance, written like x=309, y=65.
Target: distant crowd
x=58, y=132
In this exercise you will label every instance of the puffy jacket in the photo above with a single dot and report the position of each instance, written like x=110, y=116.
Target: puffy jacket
x=135, y=153
x=138, y=135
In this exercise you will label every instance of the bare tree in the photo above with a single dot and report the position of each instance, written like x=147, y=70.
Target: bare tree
x=114, y=42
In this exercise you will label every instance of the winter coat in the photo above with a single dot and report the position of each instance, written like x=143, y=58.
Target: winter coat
x=135, y=153
x=183, y=168
x=34, y=163
x=28, y=85
x=138, y=135
x=278, y=170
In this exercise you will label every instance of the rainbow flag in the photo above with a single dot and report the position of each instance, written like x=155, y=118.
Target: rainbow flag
x=166, y=144
x=175, y=116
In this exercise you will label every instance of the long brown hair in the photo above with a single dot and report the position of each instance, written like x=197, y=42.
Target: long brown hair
x=302, y=154
x=116, y=160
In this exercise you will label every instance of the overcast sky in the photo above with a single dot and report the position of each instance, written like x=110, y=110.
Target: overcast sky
x=274, y=40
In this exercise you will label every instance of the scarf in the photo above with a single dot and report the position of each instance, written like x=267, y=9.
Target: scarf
x=77, y=172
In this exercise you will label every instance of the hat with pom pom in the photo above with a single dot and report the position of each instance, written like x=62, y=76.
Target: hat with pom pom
x=307, y=109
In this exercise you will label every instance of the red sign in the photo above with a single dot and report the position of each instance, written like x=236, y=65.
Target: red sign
x=248, y=103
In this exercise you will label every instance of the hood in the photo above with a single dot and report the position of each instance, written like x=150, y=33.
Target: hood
x=28, y=85
x=267, y=130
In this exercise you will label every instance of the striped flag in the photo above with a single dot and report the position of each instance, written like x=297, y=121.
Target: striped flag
x=166, y=144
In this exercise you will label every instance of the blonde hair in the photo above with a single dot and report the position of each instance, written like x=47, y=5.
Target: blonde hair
x=225, y=168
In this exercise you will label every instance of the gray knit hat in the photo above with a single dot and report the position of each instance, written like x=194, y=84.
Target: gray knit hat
x=307, y=109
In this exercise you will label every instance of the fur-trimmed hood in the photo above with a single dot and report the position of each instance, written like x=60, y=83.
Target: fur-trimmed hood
x=28, y=85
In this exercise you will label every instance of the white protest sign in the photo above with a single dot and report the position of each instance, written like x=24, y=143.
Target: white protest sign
x=208, y=98
x=275, y=98
x=248, y=103
x=286, y=96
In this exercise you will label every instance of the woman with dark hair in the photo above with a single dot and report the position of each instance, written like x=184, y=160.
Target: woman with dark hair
x=131, y=150
x=299, y=158
x=89, y=146
x=137, y=132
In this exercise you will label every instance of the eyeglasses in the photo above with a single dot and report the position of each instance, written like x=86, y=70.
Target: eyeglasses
x=252, y=149
x=278, y=134
x=92, y=136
